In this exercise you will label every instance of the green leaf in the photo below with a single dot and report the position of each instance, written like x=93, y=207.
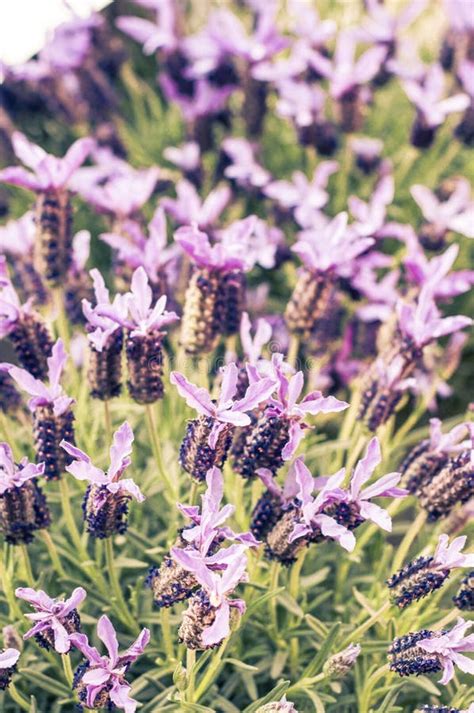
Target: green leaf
x=261, y=600
x=241, y=664
x=425, y=684
x=129, y=563
x=46, y=683
x=274, y=695
x=315, y=699
x=316, y=665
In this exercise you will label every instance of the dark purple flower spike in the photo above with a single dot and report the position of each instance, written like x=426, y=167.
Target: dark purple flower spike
x=107, y=497
x=100, y=681
x=53, y=418
x=50, y=178
x=209, y=437
x=24, y=327
x=54, y=620
x=23, y=507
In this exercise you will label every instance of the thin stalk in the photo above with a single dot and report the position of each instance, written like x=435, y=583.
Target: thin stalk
x=115, y=585
x=62, y=327
x=67, y=668
x=18, y=698
x=357, y=633
x=69, y=517
x=272, y=604
x=8, y=434
x=294, y=586
x=107, y=421
x=409, y=538
x=14, y=610
x=194, y=493
x=53, y=553
x=293, y=350
x=211, y=672
x=367, y=692
x=190, y=663
x=27, y=565
x=156, y=448
x=166, y=633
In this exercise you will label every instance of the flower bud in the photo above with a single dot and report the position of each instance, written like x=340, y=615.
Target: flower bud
x=49, y=430
x=105, y=513
x=104, y=371
x=339, y=665
x=32, y=343
x=261, y=446
x=23, y=510
x=145, y=367
x=416, y=580
x=11, y=638
x=309, y=302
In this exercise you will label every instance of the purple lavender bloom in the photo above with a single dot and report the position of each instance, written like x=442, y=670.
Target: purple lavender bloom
x=420, y=270
x=348, y=77
x=8, y=661
x=307, y=24
x=456, y=213
x=253, y=346
x=213, y=602
x=187, y=158
x=48, y=172
x=300, y=101
x=465, y=129
x=367, y=152
x=244, y=168
x=23, y=507
x=158, y=35
x=431, y=108
x=17, y=237
x=102, y=327
x=370, y=217
x=449, y=649
x=225, y=255
x=188, y=208
x=106, y=500
x=54, y=620
x=305, y=197
x=101, y=681
x=421, y=324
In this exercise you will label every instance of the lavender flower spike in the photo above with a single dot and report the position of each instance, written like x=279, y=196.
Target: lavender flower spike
x=100, y=681
x=208, y=437
x=51, y=407
x=23, y=507
x=8, y=661
x=54, y=620
x=424, y=575
x=106, y=500
x=144, y=348
x=50, y=178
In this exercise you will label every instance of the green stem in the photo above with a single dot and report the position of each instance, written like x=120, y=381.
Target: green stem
x=166, y=633
x=408, y=540
x=194, y=493
x=272, y=604
x=294, y=586
x=367, y=692
x=211, y=672
x=190, y=663
x=53, y=553
x=115, y=585
x=27, y=565
x=66, y=662
x=108, y=421
x=14, y=610
x=69, y=517
x=18, y=698
x=156, y=448
x=357, y=633
x=62, y=327
x=293, y=350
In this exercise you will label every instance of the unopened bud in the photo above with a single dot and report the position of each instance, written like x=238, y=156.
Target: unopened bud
x=339, y=665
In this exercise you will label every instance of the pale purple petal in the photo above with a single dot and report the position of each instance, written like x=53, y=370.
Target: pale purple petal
x=9, y=658
x=196, y=397
x=106, y=633
x=366, y=466
x=295, y=436
x=256, y=393
x=120, y=450
x=370, y=511
x=220, y=628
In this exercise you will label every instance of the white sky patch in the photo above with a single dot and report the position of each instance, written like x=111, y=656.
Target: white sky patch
x=26, y=24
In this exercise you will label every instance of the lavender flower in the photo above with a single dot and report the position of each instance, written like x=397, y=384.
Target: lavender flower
x=49, y=179
x=23, y=507
x=323, y=253
x=160, y=34
x=188, y=207
x=100, y=681
x=78, y=284
x=464, y=598
x=105, y=337
x=8, y=661
x=207, y=620
x=370, y=217
x=54, y=619
x=243, y=168
x=339, y=665
x=304, y=197
x=51, y=407
x=277, y=432
x=24, y=327
x=215, y=295
x=431, y=108
x=454, y=214
x=420, y=270
x=432, y=651
x=171, y=582
x=106, y=500
x=17, y=240
x=208, y=438
x=348, y=77
x=424, y=575
x=367, y=153
x=187, y=158
x=427, y=458
x=144, y=325
x=281, y=706
x=464, y=131
x=303, y=103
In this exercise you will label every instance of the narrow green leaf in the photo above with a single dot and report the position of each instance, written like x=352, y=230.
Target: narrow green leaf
x=274, y=695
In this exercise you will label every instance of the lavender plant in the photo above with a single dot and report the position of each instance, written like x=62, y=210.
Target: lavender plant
x=273, y=349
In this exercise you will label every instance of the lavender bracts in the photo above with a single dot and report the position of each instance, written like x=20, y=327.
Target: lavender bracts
x=209, y=437
x=49, y=179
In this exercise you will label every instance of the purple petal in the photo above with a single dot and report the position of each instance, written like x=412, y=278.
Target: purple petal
x=220, y=628
x=96, y=677
x=366, y=466
x=74, y=451
x=295, y=435
x=61, y=636
x=120, y=695
x=18, y=176
x=230, y=375
x=81, y=642
x=371, y=511
x=106, y=633
x=256, y=394
x=37, y=598
x=9, y=658
x=196, y=397
x=120, y=450
x=77, y=597
x=137, y=648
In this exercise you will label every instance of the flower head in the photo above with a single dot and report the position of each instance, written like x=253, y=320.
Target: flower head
x=253, y=346
x=189, y=208
x=300, y=101
x=225, y=255
x=108, y=672
x=449, y=556
x=450, y=648
x=50, y=394
x=421, y=323
x=456, y=213
x=187, y=157
x=428, y=97
x=47, y=172
x=330, y=247
x=53, y=618
x=436, y=271
x=244, y=168
x=224, y=410
x=100, y=326
x=160, y=34
x=381, y=27
x=13, y=475
x=82, y=467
